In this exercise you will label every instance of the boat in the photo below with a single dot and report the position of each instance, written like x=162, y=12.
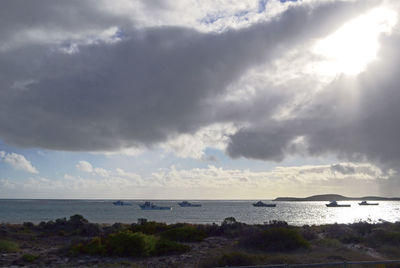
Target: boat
x=121, y=203
x=188, y=204
x=335, y=204
x=262, y=204
x=365, y=203
x=150, y=206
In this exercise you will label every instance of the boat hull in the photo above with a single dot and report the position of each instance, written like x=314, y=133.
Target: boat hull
x=265, y=205
x=338, y=206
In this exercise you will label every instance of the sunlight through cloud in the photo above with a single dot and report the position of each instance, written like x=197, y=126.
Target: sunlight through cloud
x=355, y=44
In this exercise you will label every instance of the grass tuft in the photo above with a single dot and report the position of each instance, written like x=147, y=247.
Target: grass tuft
x=8, y=246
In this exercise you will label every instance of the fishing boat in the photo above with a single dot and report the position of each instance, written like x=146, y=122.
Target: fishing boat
x=335, y=204
x=262, y=204
x=365, y=203
x=150, y=206
x=188, y=204
x=121, y=203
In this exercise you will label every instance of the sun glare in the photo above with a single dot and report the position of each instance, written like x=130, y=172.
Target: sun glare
x=349, y=49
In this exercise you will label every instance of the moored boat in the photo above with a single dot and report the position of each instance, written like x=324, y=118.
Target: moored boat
x=121, y=203
x=262, y=204
x=365, y=203
x=150, y=206
x=335, y=204
x=188, y=204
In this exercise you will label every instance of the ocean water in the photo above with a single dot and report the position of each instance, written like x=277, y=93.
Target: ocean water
x=103, y=211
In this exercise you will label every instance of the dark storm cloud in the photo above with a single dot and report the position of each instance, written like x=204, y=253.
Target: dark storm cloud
x=153, y=84
x=74, y=16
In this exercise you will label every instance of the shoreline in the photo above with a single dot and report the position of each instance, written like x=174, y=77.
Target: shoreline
x=80, y=243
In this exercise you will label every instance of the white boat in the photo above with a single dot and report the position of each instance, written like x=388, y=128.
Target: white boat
x=365, y=203
x=150, y=206
x=335, y=204
x=262, y=204
x=121, y=203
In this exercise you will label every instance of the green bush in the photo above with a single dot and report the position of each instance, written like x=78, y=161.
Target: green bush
x=187, y=233
x=127, y=243
x=94, y=247
x=276, y=239
x=165, y=246
x=29, y=257
x=8, y=246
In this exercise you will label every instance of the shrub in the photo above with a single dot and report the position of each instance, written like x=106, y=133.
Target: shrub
x=127, y=243
x=211, y=229
x=362, y=228
x=142, y=220
x=93, y=247
x=234, y=259
x=8, y=246
x=308, y=233
x=150, y=227
x=29, y=257
x=187, y=233
x=276, y=223
x=164, y=247
x=276, y=239
x=231, y=228
x=28, y=224
x=342, y=233
x=229, y=221
x=90, y=229
x=384, y=237
x=77, y=220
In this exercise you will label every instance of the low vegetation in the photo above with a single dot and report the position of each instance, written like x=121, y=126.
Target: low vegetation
x=8, y=246
x=29, y=258
x=230, y=243
x=129, y=244
x=276, y=239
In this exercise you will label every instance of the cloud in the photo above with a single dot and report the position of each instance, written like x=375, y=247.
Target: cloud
x=209, y=182
x=84, y=166
x=85, y=77
x=149, y=86
x=18, y=161
x=353, y=117
x=101, y=172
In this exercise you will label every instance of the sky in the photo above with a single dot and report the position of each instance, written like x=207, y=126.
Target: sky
x=190, y=99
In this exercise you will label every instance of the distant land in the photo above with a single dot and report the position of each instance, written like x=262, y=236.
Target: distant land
x=335, y=197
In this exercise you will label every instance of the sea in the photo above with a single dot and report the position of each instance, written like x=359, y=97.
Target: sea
x=211, y=211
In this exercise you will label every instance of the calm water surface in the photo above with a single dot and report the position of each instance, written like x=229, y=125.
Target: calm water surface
x=103, y=211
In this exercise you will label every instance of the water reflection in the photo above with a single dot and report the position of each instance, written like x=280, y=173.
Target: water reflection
x=103, y=211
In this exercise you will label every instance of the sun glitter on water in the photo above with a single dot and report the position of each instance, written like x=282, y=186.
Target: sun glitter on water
x=349, y=49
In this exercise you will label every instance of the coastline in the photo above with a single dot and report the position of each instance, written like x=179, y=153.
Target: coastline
x=69, y=242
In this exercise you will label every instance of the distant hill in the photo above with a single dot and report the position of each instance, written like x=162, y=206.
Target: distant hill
x=335, y=197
